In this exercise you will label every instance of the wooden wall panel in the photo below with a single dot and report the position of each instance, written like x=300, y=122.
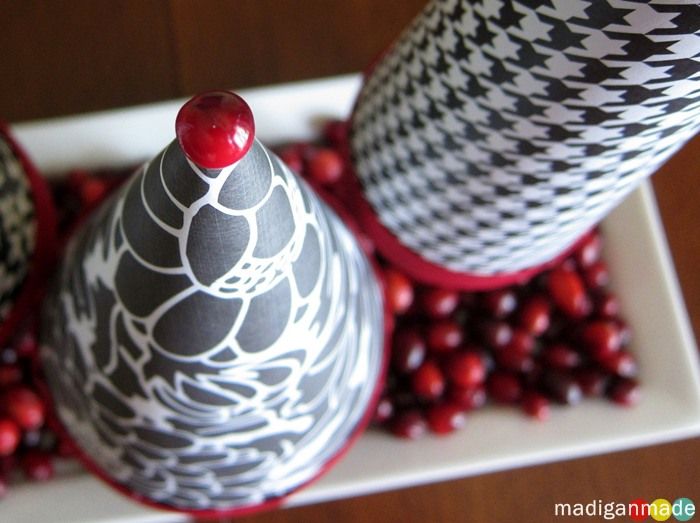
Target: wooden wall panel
x=67, y=56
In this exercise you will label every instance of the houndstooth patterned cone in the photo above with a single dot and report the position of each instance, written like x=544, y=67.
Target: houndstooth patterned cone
x=17, y=227
x=495, y=132
x=215, y=336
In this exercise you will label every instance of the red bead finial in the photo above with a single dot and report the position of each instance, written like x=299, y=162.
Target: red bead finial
x=215, y=129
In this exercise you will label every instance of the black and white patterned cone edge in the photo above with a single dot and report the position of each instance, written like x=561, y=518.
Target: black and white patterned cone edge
x=214, y=338
x=494, y=133
x=18, y=227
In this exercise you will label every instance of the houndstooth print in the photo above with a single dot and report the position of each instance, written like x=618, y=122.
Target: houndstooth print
x=214, y=336
x=495, y=132
x=17, y=227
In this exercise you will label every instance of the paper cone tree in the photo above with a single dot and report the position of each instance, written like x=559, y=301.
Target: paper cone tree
x=493, y=134
x=27, y=232
x=215, y=336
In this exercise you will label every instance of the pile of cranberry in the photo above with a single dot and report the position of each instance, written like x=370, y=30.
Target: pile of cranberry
x=557, y=338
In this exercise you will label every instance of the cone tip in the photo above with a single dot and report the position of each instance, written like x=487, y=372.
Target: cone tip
x=215, y=129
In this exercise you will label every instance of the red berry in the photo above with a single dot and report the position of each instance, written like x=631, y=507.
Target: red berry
x=568, y=293
x=625, y=391
x=602, y=338
x=215, y=129
x=520, y=342
x=597, y=276
x=515, y=361
x=326, y=166
x=500, y=303
x=25, y=407
x=466, y=370
x=536, y=405
x=607, y=305
x=399, y=291
x=10, y=375
x=534, y=315
x=621, y=363
x=92, y=191
x=428, y=381
x=439, y=303
x=408, y=350
x=561, y=356
x=26, y=345
x=592, y=382
x=409, y=424
x=384, y=410
x=292, y=158
x=335, y=132
x=444, y=418
x=495, y=334
x=444, y=336
x=37, y=466
x=10, y=435
x=562, y=387
x=589, y=252
x=471, y=398
x=504, y=387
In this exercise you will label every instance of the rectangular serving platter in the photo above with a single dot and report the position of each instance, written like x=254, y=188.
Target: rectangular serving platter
x=496, y=438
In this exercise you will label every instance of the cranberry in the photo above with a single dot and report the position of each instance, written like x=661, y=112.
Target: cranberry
x=444, y=418
x=26, y=345
x=500, y=303
x=602, y=338
x=515, y=361
x=326, y=166
x=589, y=251
x=293, y=159
x=428, y=381
x=444, y=336
x=215, y=129
x=520, y=342
x=562, y=387
x=408, y=350
x=92, y=192
x=335, y=132
x=606, y=305
x=533, y=316
x=399, y=291
x=593, y=382
x=25, y=407
x=471, y=398
x=409, y=424
x=568, y=293
x=10, y=375
x=495, y=334
x=536, y=405
x=384, y=410
x=466, y=370
x=9, y=436
x=439, y=303
x=597, y=276
x=561, y=356
x=37, y=465
x=504, y=387
x=621, y=363
x=625, y=391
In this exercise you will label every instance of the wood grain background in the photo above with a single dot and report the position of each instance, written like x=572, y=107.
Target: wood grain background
x=61, y=57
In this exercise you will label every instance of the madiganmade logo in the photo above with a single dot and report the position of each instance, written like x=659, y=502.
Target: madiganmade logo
x=682, y=509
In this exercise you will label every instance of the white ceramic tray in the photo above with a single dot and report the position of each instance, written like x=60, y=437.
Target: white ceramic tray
x=495, y=438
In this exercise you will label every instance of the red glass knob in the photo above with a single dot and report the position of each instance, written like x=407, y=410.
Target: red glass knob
x=215, y=129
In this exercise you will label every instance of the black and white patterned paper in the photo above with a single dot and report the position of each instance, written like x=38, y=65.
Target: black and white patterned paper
x=495, y=132
x=214, y=336
x=17, y=227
